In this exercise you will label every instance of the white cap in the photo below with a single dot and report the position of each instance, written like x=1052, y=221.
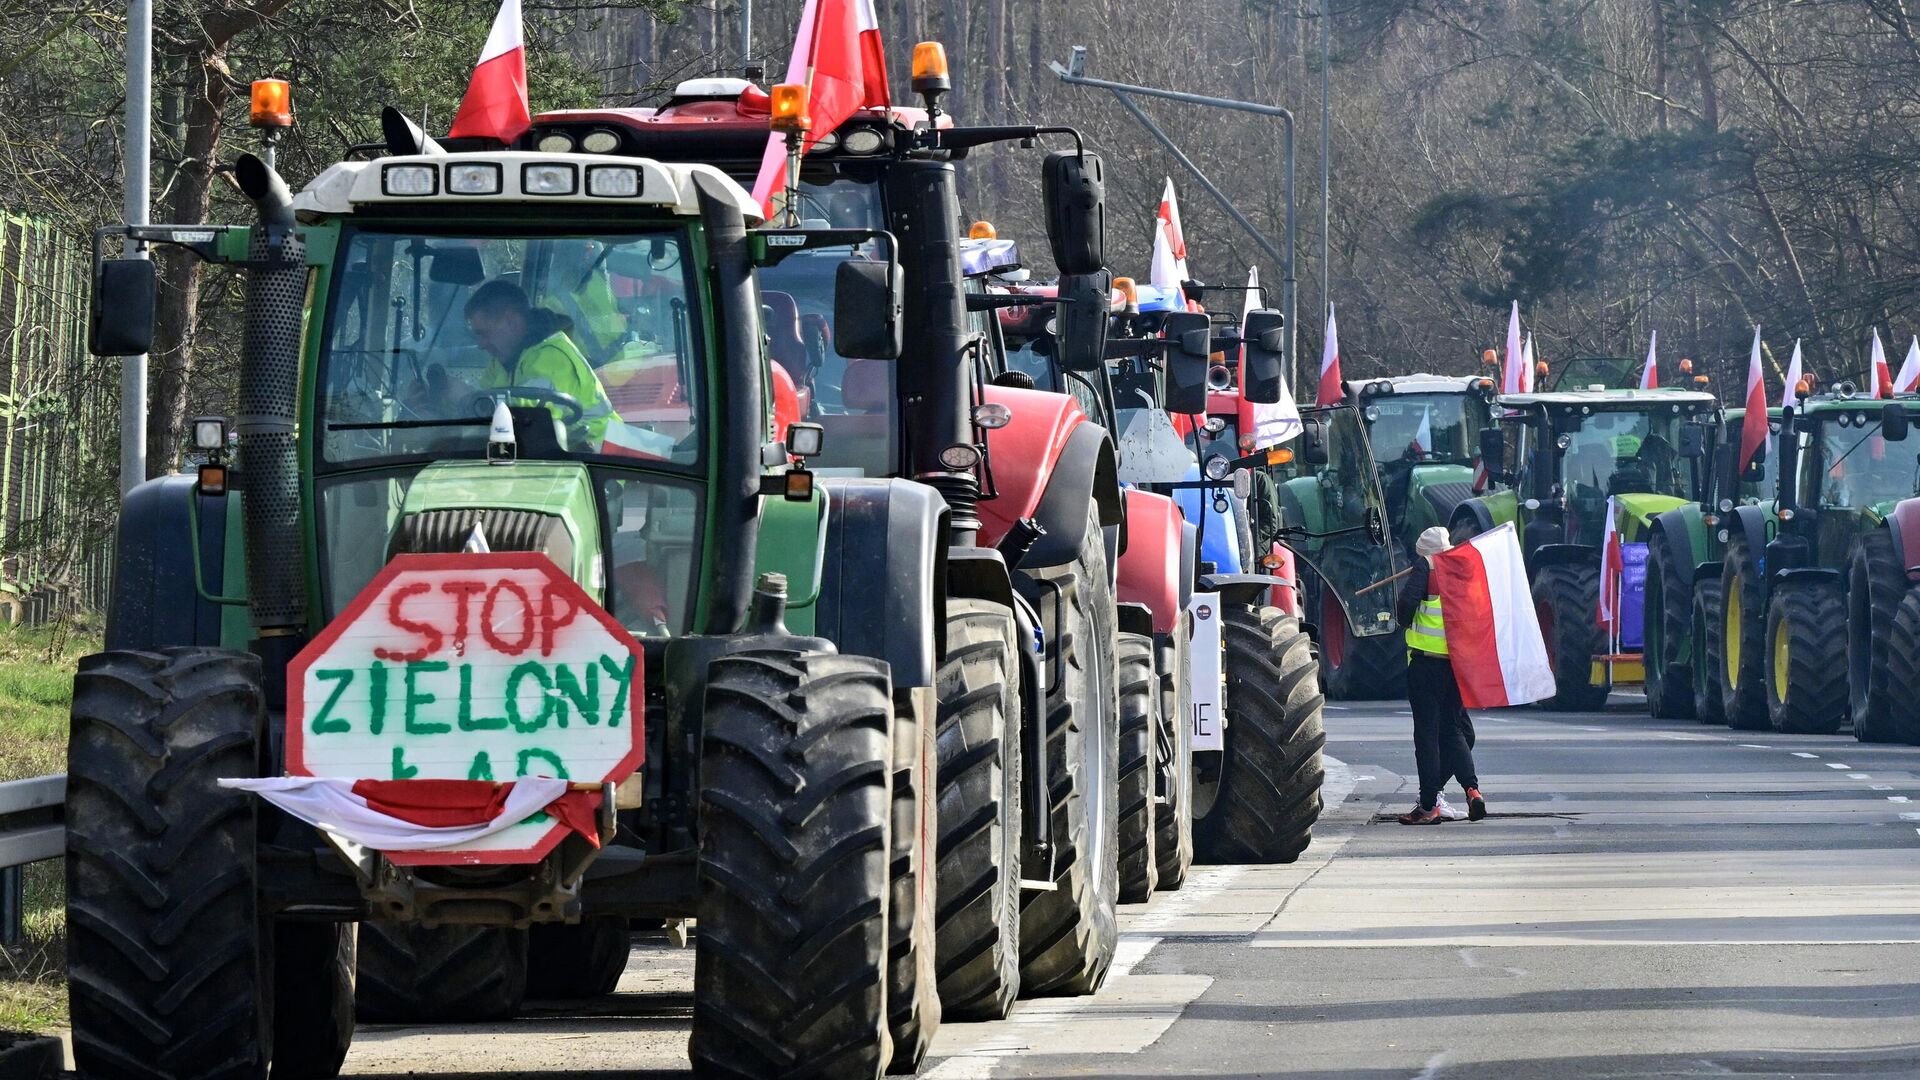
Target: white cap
x=1432, y=542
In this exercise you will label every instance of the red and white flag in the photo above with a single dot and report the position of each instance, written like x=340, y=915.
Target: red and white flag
x=1753, y=424
x=1790, y=393
x=424, y=815
x=496, y=103
x=1331, y=391
x=838, y=56
x=1276, y=423
x=1882, y=378
x=1612, y=567
x=1493, y=633
x=1650, y=375
x=1909, y=376
x=1526, y=366
x=1168, y=266
x=1513, y=380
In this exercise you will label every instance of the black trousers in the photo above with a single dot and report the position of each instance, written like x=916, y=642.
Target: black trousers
x=1442, y=731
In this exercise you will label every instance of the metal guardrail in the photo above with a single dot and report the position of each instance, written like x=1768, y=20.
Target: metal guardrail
x=32, y=828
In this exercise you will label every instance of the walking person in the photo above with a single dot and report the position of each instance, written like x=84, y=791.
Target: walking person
x=1442, y=731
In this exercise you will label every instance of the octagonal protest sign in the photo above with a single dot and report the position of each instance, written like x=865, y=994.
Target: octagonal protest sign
x=471, y=666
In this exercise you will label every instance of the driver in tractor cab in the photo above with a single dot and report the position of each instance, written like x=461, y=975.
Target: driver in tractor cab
x=530, y=347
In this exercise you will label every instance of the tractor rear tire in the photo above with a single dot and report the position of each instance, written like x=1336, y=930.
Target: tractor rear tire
x=1743, y=633
x=1173, y=810
x=1707, y=706
x=978, y=925
x=312, y=998
x=1270, y=777
x=1672, y=654
x=410, y=974
x=796, y=779
x=1903, y=668
x=913, y=982
x=165, y=940
x=581, y=960
x=1807, y=658
x=1139, y=767
x=1566, y=599
x=1876, y=583
x=1068, y=935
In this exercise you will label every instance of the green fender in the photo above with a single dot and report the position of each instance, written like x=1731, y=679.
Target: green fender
x=1420, y=514
x=793, y=543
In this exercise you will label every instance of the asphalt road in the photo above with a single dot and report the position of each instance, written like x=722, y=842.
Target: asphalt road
x=1648, y=898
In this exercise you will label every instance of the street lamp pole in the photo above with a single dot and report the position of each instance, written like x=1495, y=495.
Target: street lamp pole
x=135, y=158
x=1326, y=158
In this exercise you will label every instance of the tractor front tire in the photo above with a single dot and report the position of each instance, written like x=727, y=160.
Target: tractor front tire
x=1707, y=706
x=1903, y=668
x=1807, y=658
x=410, y=974
x=1566, y=600
x=795, y=805
x=1173, y=810
x=1672, y=653
x=913, y=981
x=167, y=950
x=977, y=929
x=1876, y=583
x=1139, y=766
x=1743, y=633
x=1270, y=777
x=581, y=960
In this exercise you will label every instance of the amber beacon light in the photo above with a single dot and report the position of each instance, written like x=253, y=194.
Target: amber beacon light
x=272, y=104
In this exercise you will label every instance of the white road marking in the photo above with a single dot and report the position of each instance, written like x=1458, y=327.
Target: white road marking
x=1910, y=817
x=1754, y=746
x=1897, y=798
x=1837, y=765
x=1434, y=1065
x=1858, y=776
x=1881, y=787
x=1803, y=753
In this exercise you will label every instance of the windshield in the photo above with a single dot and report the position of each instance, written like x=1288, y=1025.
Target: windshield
x=1422, y=427
x=1856, y=467
x=1338, y=498
x=589, y=338
x=1625, y=452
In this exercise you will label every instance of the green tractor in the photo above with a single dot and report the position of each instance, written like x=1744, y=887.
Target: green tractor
x=1566, y=455
x=1425, y=431
x=1883, y=627
x=453, y=363
x=1685, y=550
x=1786, y=612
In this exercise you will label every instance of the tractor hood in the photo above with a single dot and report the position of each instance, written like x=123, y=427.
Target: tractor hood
x=540, y=506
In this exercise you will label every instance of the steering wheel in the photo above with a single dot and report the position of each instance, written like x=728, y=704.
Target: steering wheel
x=568, y=404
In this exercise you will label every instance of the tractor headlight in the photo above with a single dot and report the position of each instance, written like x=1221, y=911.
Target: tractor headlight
x=409, y=181
x=863, y=141
x=613, y=181
x=555, y=142
x=549, y=179
x=209, y=433
x=474, y=178
x=960, y=457
x=1214, y=425
x=600, y=141
x=1218, y=467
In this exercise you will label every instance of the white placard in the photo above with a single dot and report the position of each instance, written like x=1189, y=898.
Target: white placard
x=1203, y=673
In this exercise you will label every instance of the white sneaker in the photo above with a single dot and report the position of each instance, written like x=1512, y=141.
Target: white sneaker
x=1449, y=813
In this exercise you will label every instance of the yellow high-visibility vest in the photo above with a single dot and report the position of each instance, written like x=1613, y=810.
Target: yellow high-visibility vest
x=1428, y=634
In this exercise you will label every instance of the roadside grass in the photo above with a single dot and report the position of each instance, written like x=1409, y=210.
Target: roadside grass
x=36, y=688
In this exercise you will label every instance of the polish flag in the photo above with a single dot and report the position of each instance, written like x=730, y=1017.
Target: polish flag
x=1169, y=214
x=1909, y=377
x=1882, y=379
x=1513, y=380
x=496, y=103
x=1650, y=375
x=1753, y=425
x=1526, y=366
x=1330, y=392
x=1423, y=436
x=1276, y=423
x=838, y=56
x=1168, y=267
x=1493, y=633
x=1790, y=393
x=1612, y=565
x=424, y=815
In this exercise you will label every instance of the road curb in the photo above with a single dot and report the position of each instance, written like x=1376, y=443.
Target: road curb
x=35, y=1059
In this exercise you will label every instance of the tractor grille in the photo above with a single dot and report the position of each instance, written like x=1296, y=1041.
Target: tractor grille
x=441, y=531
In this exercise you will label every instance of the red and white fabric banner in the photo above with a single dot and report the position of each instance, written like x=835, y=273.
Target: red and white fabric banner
x=424, y=815
x=1279, y=422
x=1493, y=634
x=1882, y=378
x=1514, y=374
x=839, y=57
x=496, y=103
x=1909, y=376
x=1650, y=375
x=1753, y=424
x=1167, y=269
x=1790, y=393
x=1526, y=365
x=1331, y=392
x=1612, y=566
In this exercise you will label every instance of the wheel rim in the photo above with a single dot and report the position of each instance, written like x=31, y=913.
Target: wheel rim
x=1730, y=642
x=1780, y=657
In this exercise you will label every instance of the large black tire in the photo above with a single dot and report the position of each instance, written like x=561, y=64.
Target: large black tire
x=913, y=981
x=1139, y=768
x=1068, y=935
x=796, y=778
x=1707, y=706
x=1807, y=658
x=1903, y=667
x=1671, y=651
x=167, y=950
x=1742, y=639
x=410, y=974
x=1876, y=583
x=1173, y=809
x=1566, y=600
x=581, y=960
x=313, y=967
x=1271, y=772
x=977, y=928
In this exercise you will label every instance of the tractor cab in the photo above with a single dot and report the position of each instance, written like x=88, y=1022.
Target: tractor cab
x=1848, y=461
x=1425, y=431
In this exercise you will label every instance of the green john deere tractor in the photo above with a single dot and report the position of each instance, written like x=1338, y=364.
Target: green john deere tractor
x=1843, y=463
x=1566, y=455
x=1883, y=627
x=562, y=356
x=1685, y=549
x=1426, y=436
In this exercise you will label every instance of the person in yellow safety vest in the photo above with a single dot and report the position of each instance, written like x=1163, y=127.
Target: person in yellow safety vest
x=1442, y=731
x=530, y=348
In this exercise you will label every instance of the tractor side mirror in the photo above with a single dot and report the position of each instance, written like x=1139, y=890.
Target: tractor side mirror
x=1080, y=320
x=1693, y=441
x=1264, y=341
x=1187, y=362
x=1313, y=441
x=1073, y=189
x=1894, y=422
x=120, y=319
x=866, y=310
x=1493, y=451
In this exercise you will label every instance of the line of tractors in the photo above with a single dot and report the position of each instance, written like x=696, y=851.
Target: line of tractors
x=914, y=559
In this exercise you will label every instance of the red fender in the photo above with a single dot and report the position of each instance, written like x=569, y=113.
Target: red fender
x=1285, y=597
x=1905, y=523
x=1024, y=453
x=1150, y=565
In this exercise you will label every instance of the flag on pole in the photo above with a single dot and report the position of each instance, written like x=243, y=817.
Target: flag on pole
x=838, y=55
x=424, y=815
x=1276, y=423
x=1513, y=379
x=495, y=106
x=1526, y=365
x=1650, y=375
x=1909, y=376
x=1882, y=379
x=1612, y=566
x=1168, y=267
x=1331, y=392
x=1493, y=633
x=1423, y=435
x=1790, y=393
x=1753, y=425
